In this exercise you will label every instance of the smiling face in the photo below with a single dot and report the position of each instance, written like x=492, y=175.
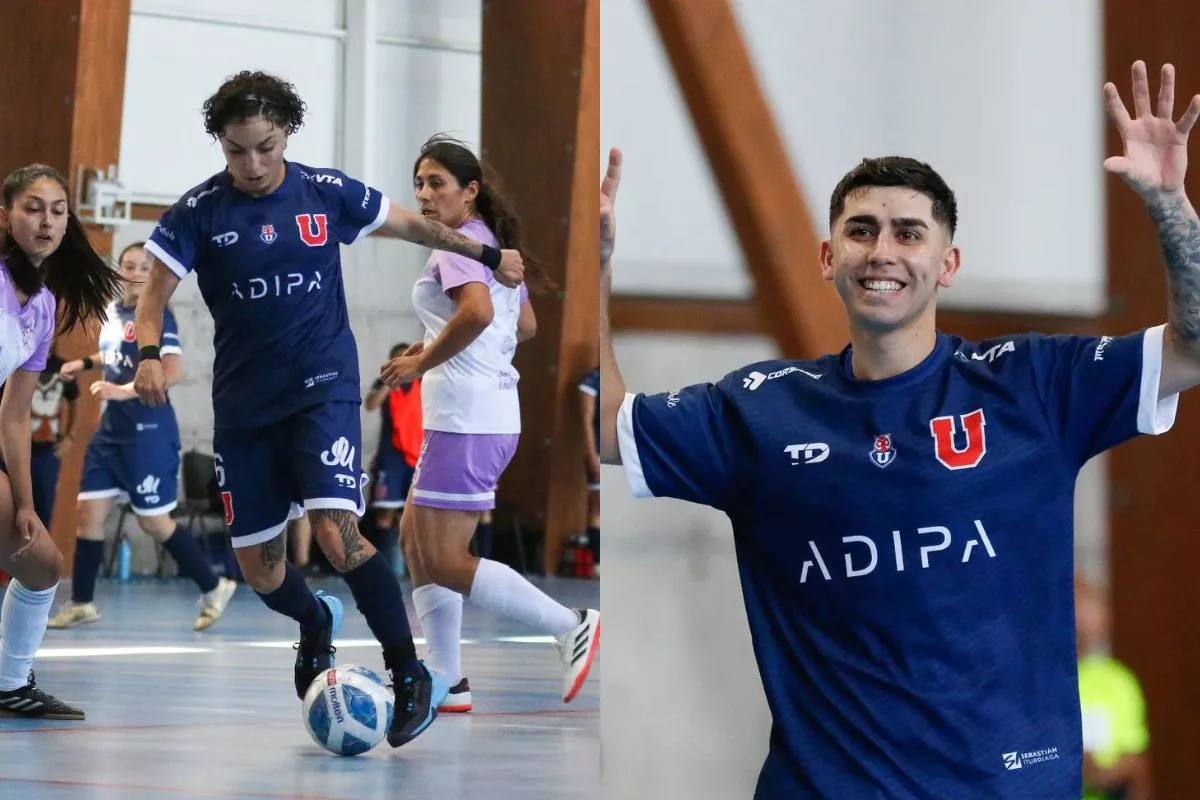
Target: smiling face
x=37, y=218
x=441, y=197
x=253, y=151
x=887, y=256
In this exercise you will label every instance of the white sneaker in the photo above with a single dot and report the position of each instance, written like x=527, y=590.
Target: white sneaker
x=73, y=614
x=578, y=647
x=213, y=604
x=458, y=699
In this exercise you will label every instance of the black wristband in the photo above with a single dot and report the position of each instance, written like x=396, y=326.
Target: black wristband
x=490, y=257
x=377, y=385
x=88, y=363
x=150, y=351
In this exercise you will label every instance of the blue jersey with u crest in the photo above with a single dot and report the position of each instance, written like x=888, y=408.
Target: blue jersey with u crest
x=269, y=269
x=905, y=548
x=122, y=421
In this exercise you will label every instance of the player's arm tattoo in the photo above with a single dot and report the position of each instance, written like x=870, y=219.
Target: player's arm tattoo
x=432, y=233
x=271, y=552
x=1179, y=236
x=346, y=523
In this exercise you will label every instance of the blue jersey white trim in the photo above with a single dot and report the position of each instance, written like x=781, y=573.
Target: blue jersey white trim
x=1154, y=416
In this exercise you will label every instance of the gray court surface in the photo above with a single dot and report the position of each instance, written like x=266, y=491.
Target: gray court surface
x=173, y=714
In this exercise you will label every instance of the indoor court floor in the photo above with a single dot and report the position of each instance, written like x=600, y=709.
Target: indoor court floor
x=176, y=714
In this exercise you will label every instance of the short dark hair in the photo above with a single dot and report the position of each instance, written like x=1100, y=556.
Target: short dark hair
x=898, y=171
x=253, y=94
x=81, y=281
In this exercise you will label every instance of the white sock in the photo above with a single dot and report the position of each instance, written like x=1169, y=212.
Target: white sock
x=498, y=587
x=23, y=619
x=440, y=612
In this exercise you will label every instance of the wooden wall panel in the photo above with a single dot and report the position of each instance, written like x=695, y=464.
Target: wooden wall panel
x=64, y=68
x=540, y=119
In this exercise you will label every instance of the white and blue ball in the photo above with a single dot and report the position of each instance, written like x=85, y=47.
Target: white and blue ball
x=348, y=710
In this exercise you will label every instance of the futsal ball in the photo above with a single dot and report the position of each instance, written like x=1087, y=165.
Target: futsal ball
x=348, y=710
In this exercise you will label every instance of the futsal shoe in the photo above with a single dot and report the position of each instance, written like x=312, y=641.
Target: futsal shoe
x=213, y=604
x=73, y=614
x=578, y=647
x=458, y=701
x=314, y=654
x=417, y=699
x=31, y=702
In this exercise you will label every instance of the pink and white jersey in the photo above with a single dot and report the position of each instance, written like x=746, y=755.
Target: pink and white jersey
x=25, y=331
x=476, y=390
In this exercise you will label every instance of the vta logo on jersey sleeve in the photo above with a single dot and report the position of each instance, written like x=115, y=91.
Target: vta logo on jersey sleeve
x=268, y=234
x=314, y=229
x=975, y=448
x=129, y=332
x=883, y=452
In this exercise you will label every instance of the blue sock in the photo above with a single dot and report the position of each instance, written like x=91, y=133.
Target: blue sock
x=88, y=555
x=186, y=551
x=294, y=599
x=379, y=599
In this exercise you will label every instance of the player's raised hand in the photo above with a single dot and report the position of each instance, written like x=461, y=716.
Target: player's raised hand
x=511, y=271
x=1155, y=157
x=608, y=196
x=150, y=383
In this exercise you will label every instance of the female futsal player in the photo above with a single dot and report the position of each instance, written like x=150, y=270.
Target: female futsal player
x=472, y=421
x=134, y=456
x=44, y=256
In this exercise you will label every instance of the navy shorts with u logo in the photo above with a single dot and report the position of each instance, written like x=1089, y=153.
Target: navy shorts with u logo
x=309, y=460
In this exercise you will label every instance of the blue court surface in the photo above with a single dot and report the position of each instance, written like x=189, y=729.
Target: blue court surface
x=176, y=714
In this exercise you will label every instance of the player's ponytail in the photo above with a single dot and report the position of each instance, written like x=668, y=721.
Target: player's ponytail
x=492, y=205
x=81, y=281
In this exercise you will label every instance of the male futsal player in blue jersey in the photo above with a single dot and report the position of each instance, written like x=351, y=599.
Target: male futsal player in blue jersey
x=902, y=510
x=263, y=237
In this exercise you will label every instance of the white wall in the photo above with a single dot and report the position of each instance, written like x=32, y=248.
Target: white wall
x=684, y=716
x=1002, y=99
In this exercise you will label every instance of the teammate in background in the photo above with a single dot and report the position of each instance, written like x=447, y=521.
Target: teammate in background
x=134, y=457
x=55, y=420
x=472, y=420
x=263, y=237
x=395, y=457
x=902, y=511
x=589, y=407
x=45, y=258
x=1116, y=761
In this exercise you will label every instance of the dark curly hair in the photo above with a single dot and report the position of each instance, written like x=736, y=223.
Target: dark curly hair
x=83, y=283
x=253, y=94
x=492, y=205
x=898, y=171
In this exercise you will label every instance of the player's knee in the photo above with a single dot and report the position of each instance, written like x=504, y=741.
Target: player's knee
x=159, y=527
x=263, y=564
x=336, y=532
x=44, y=569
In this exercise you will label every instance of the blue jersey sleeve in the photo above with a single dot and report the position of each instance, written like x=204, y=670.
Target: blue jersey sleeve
x=358, y=209
x=176, y=239
x=1097, y=392
x=681, y=444
x=169, y=343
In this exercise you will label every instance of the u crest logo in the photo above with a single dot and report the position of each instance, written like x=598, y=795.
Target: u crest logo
x=313, y=229
x=945, y=446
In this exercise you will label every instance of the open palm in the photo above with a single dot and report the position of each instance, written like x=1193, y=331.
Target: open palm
x=1155, y=157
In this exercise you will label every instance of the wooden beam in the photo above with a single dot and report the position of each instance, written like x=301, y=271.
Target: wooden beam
x=64, y=68
x=540, y=120
x=738, y=134
x=1152, y=532
x=684, y=315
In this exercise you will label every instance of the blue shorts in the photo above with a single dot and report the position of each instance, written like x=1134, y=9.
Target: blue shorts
x=143, y=473
x=306, y=461
x=391, y=479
